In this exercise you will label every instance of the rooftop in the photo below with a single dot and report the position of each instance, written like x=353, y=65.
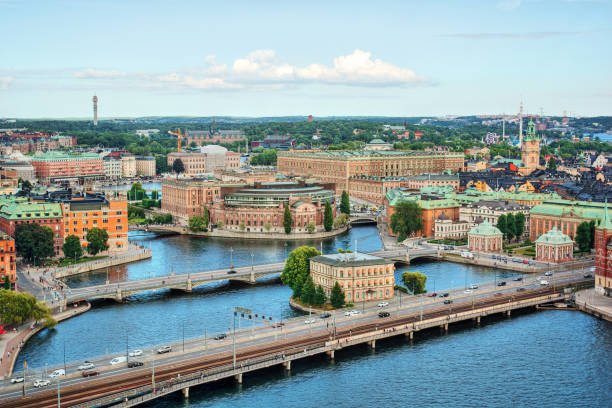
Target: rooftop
x=555, y=237
x=350, y=259
x=485, y=229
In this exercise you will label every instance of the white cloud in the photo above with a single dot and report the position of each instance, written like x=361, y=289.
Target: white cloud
x=173, y=77
x=508, y=4
x=5, y=81
x=100, y=74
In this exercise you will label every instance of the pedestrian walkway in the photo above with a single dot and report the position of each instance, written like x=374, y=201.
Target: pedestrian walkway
x=594, y=303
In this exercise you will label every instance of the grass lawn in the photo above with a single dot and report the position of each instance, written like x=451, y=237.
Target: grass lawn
x=67, y=262
x=525, y=251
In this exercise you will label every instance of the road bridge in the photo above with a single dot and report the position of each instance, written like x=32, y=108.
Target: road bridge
x=179, y=371
x=187, y=282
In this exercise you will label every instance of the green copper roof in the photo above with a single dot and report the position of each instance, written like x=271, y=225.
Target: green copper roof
x=605, y=221
x=55, y=156
x=377, y=141
x=485, y=228
x=555, y=237
x=560, y=208
x=30, y=210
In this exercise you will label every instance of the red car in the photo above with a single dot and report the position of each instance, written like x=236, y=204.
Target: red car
x=433, y=294
x=90, y=373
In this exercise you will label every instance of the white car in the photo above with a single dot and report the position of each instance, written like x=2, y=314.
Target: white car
x=549, y=273
x=383, y=304
x=16, y=380
x=41, y=383
x=57, y=373
x=118, y=360
x=86, y=366
x=355, y=312
x=544, y=282
x=135, y=353
x=468, y=291
x=473, y=286
x=165, y=349
x=309, y=321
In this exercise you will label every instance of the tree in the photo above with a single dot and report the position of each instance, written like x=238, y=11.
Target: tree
x=205, y=217
x=97, y=240
x=328, y=217
x=178, y=167
x=519, y=225
x=583, y=236
x=267, y=226
x=267, y=158
x=336, y=297
x=510, y=227
x=319, y=298
x=592, y=234
x=310, y=227
x=19, y=307
x=25, y=184
x=341, y=221
x=297, y=268
x=407, y=219
x=34, y=242
x=242, y=226
x=502, y=224
x=7, y=282
x=415, y=282
x=307, y=294
x=287, y=220
x=196, y=224
x=345, y=204
x=552, y=164
x=72, y=247
x=220, y=224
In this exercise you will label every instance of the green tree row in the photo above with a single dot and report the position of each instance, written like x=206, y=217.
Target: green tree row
x=511, y=225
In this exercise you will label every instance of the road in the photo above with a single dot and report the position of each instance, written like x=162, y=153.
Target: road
x=292, y=329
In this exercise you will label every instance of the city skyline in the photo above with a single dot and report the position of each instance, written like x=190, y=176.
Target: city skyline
x=389, y=59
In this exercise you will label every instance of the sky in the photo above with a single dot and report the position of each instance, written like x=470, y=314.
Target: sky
x=325, y=58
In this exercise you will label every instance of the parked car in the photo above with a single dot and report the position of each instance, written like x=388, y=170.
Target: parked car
x=118, y=360
x=525, y=261
x=90, y=373
x=309, y=321
x=132, y=364
x=498, y=294
x=57, y=373
x=502, y=283
x=324, y=315
x=520, y=289
x=86, y=366
x=220, y=336
x=135, y=353
x=588, y=275
x=518, y=279
x=383, y=304
x=518, y=260
x=544, y=282
x=384, y=314
x=164, y=349
x=41, y=383
x=17, y=380
x=444, y=294
x=448, y=301
x=432, y=294
x=231, y=271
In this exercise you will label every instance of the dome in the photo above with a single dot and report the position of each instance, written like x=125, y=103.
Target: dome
x=555, y=237
x=485, y=229
x=443, y=217
x=212, y=149
x=377, y=141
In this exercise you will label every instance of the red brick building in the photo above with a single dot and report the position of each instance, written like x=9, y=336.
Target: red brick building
x=54, y=166
x=603, y=255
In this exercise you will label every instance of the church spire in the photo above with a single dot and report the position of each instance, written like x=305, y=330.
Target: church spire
x=605, y=221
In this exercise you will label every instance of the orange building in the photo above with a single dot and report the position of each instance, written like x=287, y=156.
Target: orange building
x=7, y=260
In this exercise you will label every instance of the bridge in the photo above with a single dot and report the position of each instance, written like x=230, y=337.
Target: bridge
x=187, y=282
x=363, y=218
x=282, y=345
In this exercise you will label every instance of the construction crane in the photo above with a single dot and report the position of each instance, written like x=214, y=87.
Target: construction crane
x=179, y=137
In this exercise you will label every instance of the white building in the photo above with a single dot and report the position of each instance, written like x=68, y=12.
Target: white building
x=128, y=165
x=112, y=168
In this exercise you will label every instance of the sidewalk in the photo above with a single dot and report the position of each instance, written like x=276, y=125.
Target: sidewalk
x=595, y=304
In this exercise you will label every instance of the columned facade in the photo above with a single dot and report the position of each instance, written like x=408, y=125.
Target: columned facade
x=554, y=247
x=485, y=238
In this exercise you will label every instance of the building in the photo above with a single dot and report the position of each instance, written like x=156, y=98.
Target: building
x=112, y=167
x=145, y=166
x=432, y=180
x=232, y=161
x=260, y=207
x=95, y=110
x=213, y=135
x=9, y=181
x=277, y=141
x=247, y=176
x=7, y=260
x=445, y=228
x=554, y=247
x=58, y=166
x=565, y=215
x=361, y=276
x=194, y=163
x=339, y=166
x=530, y=150
x=24, y=169
x=128, y=165
x=185, y=198
x=603, y=255
x=490, y=210
x=485, y=238
x=15, y=211
x=378, y=145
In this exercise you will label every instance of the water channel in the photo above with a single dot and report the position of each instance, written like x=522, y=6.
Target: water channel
x=519, y=358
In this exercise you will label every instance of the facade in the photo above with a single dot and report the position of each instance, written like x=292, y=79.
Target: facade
x=530, y=150
x=603, y=255
x=57, y=166
x=15, y=211
x=565, y=215
x=490, y=210
x=432, y=180
x=445, y=228
x=232, y=161
x=128, y=166
x=378, y=145
x=361, y=276
x=7, y=260
x=185, y=198
x=339, y=166
x=194, y=163
x=260, y=207
x=24, y=170
x=485, y=238
x=249, y=176
x=112, y=167
x=145, y=166
x=554, y=247
x=202, y=137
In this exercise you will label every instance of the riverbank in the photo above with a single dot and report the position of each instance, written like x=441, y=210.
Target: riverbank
x=12, y=342
x=592, y=303
x=517, y=267
x=135, y=253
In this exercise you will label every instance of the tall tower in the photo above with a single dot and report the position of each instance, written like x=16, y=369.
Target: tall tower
x=521, y=125
x=603, y=272
x=530, y=149
x=95, y=107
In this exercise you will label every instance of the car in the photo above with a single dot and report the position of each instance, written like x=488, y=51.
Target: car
x=518, y=279
x=548, y=273
x=220, y=336
x=165, y=349
x=324, y=315
x=135, y=353
x=132, y=364
x=531, y=263
x=384, y=314
x=86, y=366
x=41, y=383
x=588, y=275
x=520, y=290
x=517, y=260
x=348, y=313
x=445, y=294
x=383, y=304
x=90, y=373
x=502, y=283
x=118, y=360
x=448, y=301
x=309, y=321
x=231, y=271
x=473, y=286
x=57, y=373
x=17, y=380
x=468, y=291
x=544, y=282
x=498, y=294
x=432, y=294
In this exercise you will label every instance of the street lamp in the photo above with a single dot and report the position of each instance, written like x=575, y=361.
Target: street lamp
x=231, y=258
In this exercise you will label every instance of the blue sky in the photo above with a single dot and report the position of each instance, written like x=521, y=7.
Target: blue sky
x=272, y=58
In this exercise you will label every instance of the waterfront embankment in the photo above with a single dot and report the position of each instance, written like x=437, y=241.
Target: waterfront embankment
x=589, y=301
